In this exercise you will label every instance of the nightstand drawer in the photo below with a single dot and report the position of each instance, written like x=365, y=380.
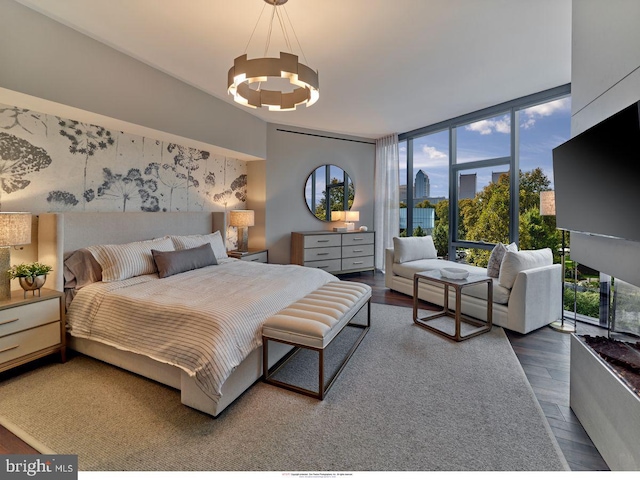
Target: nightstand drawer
x=261, y=257
x=19, y=318
x=357, y=238
x=313, y=241
x=326, y=265
x=29, y=341
x=357, y=263
x=357, y=251
x=311, y=254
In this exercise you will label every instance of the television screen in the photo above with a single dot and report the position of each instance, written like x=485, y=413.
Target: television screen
x=597, y=178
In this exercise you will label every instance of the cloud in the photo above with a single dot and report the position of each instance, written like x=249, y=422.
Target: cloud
x=430, y=157
x=529, y=116
x=487, y=127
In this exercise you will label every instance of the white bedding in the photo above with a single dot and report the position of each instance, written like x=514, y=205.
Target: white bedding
x=204, y=321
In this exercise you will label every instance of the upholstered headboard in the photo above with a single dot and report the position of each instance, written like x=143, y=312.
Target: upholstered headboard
x=59, y=234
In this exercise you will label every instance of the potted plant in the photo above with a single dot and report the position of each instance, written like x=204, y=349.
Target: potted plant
x=30, y=275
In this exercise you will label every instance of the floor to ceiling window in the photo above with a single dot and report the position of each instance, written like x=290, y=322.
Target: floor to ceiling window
x=470, y=159
x=474, y=156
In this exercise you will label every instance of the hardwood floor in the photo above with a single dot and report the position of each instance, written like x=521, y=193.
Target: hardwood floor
x=543, y=354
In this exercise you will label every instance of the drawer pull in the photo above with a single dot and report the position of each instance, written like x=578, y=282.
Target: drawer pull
x=324, y=253
x=322, y=241
x=322, y=266
x=358, y=238
x=255, y=260
x=9, y=321
x=358, y=263
x=358, y=251
x=9, y=348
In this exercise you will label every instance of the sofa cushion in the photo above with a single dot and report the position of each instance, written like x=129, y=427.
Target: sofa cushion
x=407, y=269
x=495, y=260
x=500, y=293
x=407, y=249
x=515, y=262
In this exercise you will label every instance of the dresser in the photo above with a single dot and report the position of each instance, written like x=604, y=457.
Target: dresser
x=31, y=327
x=335, y=252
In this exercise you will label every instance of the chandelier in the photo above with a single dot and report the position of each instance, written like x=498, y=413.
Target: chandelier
x=246, y=77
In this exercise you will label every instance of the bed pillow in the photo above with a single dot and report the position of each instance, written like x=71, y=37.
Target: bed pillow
x=407, y=249
x=515, y=262
x=495, y=259
x=178, y=261
x=190, y=241
x=81, y=269
x=127, y=260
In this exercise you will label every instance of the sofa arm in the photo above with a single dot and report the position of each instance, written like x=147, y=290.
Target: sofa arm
x=535, y=299
x=388, y=267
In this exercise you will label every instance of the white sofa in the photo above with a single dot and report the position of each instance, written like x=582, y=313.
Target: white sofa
x=532, y=301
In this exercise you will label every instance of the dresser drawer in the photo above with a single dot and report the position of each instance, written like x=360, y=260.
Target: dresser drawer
x=357, y=263
x=357, y=251
x=311, y=254
x=326, y=265
x=313, y=241
x=19, y=318
x=359, y=238
x=29, y=341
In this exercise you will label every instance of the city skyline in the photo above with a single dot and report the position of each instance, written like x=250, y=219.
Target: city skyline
x=542, y=128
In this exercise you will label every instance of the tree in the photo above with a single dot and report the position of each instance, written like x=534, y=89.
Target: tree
x=336, y=199
x=424, y=204
x=486, y=217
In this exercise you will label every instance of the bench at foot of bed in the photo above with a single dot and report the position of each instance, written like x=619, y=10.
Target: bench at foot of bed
x=312, y=323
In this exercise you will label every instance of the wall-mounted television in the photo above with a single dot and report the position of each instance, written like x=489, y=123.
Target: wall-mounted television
x=597, y=178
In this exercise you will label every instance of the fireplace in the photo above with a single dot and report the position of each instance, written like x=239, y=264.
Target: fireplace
x=605, y=381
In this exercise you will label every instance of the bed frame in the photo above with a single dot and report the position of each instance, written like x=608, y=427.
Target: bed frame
x=59, y=234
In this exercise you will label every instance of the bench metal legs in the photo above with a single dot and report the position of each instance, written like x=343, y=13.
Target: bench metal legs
x=268, y=373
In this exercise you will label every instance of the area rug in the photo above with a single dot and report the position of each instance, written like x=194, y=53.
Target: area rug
x=408, y=400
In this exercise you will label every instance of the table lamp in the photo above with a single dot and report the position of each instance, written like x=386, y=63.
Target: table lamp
x=350, y=217
x=15, y=229
x=242, y=219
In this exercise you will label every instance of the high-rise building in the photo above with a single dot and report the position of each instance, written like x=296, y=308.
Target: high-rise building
x=467, y=186
x=495, y=176
x=422, y=188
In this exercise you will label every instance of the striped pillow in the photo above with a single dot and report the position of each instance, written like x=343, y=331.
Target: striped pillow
x=192, y=241
x=120, y=262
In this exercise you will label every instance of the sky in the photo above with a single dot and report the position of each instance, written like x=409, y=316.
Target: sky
x=542, y=128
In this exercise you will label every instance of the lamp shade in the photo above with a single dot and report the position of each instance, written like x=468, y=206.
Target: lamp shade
x=15, y=228
x=351, y=216
x=337, y=216
x=242, y=218
x=548, y=203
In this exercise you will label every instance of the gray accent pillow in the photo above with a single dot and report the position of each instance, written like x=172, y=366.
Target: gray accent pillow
x=178, y=261
x=81, y=269
x=495, y=259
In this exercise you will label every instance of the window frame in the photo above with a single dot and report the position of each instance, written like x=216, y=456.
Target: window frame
x=513, y=108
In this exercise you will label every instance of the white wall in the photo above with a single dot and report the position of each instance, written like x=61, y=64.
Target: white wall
x=291, y=157
x=45, y=59
x=605, y=78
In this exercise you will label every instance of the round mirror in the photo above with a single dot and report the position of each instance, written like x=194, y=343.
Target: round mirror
x=328, y=189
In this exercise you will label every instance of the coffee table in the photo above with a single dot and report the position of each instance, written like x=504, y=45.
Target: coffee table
x=436, y=277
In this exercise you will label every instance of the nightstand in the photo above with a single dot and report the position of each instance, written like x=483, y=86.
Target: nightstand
x=257, y=255
x=31, y=328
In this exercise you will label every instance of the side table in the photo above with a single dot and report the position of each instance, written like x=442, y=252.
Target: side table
x=436, y=277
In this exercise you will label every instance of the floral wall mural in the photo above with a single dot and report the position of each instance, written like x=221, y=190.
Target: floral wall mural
x=54, y=164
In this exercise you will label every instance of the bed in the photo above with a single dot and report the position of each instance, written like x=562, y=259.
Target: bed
x=140, y=323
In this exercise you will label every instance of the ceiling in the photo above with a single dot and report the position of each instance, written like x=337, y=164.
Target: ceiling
x=385, y=66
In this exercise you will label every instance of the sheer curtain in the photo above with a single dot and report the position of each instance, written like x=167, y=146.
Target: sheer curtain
x=387, y=196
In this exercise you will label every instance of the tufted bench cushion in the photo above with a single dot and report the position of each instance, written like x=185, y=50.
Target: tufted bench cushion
x=313, y=322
